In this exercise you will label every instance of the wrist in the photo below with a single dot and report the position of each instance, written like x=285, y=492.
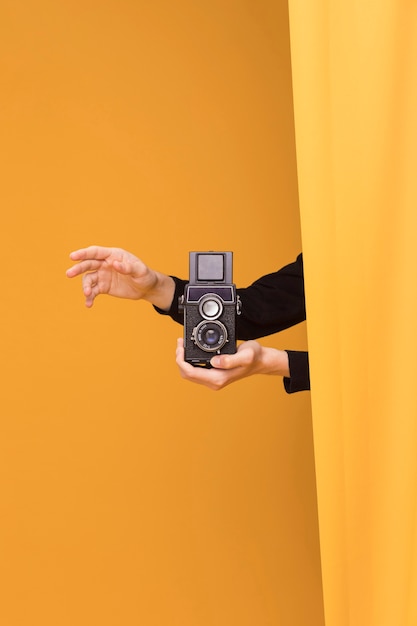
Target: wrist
x=162, y=291
x=275, y=362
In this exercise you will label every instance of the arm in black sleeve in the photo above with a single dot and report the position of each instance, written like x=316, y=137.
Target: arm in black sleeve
x=272, y=303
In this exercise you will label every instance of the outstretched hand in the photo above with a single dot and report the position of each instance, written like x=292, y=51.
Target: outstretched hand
x=119, y=273
x=250, y=358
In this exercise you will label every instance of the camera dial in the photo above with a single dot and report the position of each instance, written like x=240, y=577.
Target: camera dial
x=210, y=336
x=210, y=306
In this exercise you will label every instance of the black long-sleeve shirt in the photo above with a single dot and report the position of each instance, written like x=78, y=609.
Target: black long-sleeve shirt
x=272, y=303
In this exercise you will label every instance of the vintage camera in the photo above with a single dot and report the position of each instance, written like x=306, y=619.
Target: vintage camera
x=210, y=307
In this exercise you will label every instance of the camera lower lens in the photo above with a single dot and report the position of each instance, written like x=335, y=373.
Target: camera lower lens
x=210, y=336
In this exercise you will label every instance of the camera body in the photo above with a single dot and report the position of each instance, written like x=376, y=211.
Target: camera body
x=210, y=307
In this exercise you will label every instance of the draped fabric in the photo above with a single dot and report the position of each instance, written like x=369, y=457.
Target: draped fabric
x=355, y=101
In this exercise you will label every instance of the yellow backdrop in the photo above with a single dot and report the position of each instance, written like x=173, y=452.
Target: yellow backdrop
x=355, y=101
x=129, y=496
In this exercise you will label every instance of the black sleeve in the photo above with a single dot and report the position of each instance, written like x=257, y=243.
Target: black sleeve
x=272, y=303
x=299, y=379
x=173, y=310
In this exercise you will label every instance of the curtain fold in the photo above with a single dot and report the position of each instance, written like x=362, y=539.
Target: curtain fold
x=355, y=103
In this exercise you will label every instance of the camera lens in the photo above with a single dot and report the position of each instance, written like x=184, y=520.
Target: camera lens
x=210, y=307
x=210, y=336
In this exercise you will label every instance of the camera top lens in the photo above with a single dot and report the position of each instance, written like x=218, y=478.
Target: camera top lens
x=210, y=307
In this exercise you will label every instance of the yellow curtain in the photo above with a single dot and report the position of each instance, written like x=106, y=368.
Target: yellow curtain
x=355, y=99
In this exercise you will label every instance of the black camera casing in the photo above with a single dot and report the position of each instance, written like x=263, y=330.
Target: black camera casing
x=210, y=306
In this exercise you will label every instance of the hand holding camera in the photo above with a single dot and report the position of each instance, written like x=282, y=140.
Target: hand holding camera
x=251, y=358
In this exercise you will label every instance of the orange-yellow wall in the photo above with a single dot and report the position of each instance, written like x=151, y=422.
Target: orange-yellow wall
x=128, y=496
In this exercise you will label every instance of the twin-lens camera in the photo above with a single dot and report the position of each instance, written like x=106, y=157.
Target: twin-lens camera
x=210, y=305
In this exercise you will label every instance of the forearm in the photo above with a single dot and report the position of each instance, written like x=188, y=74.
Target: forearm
x=161, y=295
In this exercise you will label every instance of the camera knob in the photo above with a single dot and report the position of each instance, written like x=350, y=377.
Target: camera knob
x=181, y=301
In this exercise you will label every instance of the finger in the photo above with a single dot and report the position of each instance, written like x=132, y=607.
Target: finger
x=211, y=378
x=231, y=361
x=179, y=354
x=91, y=294
x=191, y=372
x=89, y=299
x=89, y=279
x=185, y=367
x=83, y=266
x=92, y=252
